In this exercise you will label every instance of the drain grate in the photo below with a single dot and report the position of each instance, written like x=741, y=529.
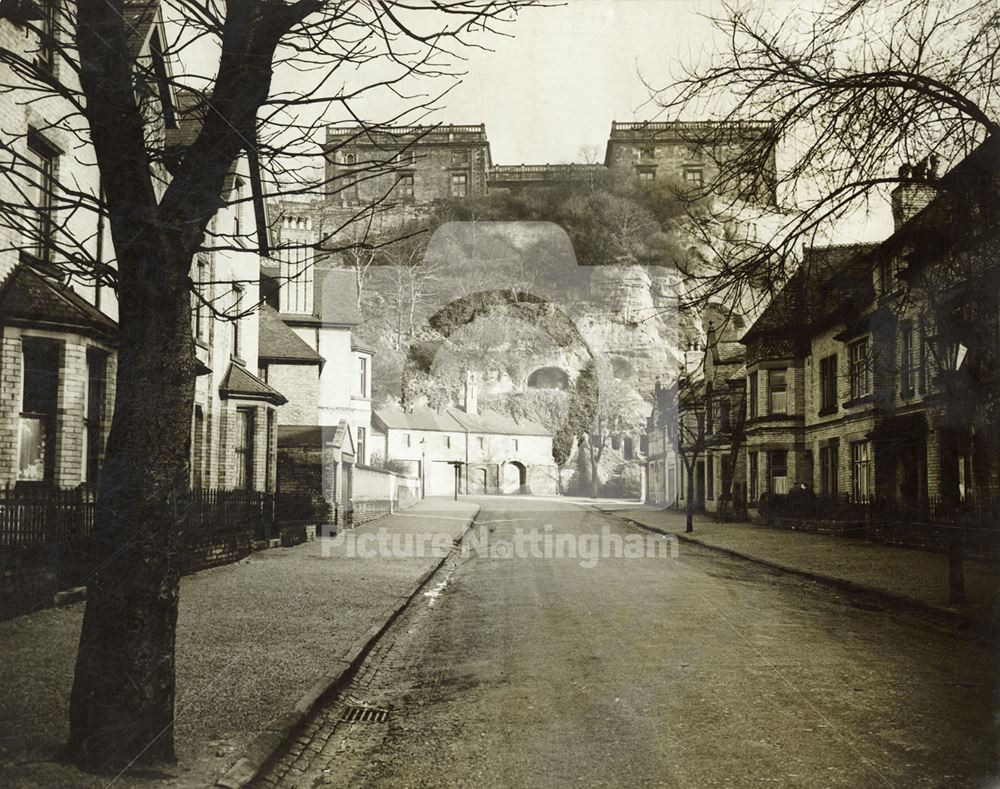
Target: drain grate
x=361, y=714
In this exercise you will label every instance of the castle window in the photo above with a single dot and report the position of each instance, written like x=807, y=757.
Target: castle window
x=694, y=176
x=460, y=157
x=647, y=176
x=459, y=184
x=406, y=187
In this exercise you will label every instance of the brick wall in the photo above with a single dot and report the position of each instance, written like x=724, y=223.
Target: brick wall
x=10, y=405
x=300, y=383
x=300, y=470
x=71, y=414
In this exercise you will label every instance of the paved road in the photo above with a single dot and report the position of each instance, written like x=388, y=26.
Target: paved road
x=694, y=671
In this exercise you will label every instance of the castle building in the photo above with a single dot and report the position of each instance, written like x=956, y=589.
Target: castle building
x=411, y=167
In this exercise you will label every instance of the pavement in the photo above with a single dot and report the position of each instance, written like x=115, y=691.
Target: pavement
x=258, y=643
x=647, y=667
x=906, y=576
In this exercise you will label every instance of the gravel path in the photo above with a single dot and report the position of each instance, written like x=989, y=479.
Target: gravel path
x=252, y=637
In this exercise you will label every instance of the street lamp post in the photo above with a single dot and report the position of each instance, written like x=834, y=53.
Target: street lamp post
x=948, y=356
x=690, y=440
x=457, y=466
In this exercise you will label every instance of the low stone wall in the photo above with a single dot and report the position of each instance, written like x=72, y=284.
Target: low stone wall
x=376, y=493
x=219, y=549
x=840, y=528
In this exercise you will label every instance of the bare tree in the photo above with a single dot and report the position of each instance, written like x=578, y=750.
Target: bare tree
x=851, y=91
x=159, y=210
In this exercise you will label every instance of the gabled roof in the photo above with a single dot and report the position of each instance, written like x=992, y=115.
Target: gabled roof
x=454, y=420
x=31, y=297
x=140, y=17
x=278, y=343
x=241, y=384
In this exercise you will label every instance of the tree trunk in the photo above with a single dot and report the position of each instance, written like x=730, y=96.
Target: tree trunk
x=122, y=702
x=689, y=519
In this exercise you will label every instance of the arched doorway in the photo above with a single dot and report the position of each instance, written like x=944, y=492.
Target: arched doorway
x=515, y=477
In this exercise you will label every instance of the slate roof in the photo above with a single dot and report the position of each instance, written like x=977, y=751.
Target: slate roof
x=241, y=383
x=829, y=280
x=977, y=172
x=140, y=16
x=454, y=420
x=335, y=299
x=28, y=296
x=278, y=343
x=487, y=421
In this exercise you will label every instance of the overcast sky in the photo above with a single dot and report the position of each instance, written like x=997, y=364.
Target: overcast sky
x=568, y=71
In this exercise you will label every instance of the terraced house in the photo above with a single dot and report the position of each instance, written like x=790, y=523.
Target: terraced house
x=873, y=375
x=57, y=303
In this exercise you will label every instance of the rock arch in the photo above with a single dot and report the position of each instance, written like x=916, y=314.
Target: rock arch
x=549, y=378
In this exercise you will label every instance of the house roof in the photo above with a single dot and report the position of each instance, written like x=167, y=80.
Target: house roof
x=937, y=221
x=829, y=279
x=487, y=421
x=240, y=383
x=418, y=419
x=30, y=296
x=454, y=420
x=337, y=437
x=278, y=343
x=727, y=352
x=139, y=16
x=357, y=345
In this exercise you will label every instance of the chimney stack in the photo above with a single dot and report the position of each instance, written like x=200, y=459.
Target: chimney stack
x=911, y=197
x=471, y=394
